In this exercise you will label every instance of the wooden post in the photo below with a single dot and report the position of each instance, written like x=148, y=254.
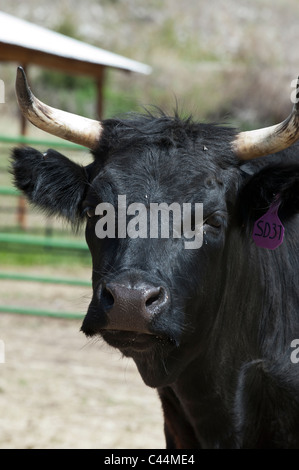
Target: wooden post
x=99, y=83
x=22, y=206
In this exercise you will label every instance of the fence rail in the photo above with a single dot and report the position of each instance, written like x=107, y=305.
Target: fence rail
x=9, y=191
x=40, y=313
x=47, y=280
x=48, y=143
x=49, y=242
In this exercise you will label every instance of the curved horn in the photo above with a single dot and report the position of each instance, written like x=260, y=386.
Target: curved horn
x=77, y=129
x=260, y=142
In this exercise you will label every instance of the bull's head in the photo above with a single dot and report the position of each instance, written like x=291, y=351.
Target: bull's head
x=150, y=294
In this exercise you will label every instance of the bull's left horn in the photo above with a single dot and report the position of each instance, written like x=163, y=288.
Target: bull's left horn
x=77, y=129
x=260, y=142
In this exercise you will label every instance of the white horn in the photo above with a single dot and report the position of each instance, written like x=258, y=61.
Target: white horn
x=77, y=129
x=260, y=142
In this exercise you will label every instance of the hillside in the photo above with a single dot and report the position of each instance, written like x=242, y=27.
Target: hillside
x=218, y=59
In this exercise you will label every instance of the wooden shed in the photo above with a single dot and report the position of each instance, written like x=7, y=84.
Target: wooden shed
x=27, y=43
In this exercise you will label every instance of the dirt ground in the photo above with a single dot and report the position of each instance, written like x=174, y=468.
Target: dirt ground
x=59, y=390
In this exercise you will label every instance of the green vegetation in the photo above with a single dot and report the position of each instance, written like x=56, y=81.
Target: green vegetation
x=18, y=255
x=72, y=93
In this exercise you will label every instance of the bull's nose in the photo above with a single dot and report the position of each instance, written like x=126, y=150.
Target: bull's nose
x=132, y=307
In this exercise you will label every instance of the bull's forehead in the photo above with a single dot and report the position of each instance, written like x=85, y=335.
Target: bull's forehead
x=156, y=175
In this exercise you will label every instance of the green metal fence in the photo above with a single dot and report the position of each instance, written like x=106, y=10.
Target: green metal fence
x=39, y=241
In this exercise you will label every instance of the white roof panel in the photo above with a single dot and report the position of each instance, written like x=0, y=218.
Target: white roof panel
x=28, y=35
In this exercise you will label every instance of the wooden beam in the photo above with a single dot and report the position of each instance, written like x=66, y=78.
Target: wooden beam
x=12, y=53
x=100, y=100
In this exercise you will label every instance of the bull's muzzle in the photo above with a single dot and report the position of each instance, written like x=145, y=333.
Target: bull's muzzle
x=132, y=307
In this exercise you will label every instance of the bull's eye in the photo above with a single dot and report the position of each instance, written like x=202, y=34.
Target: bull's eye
x=215, y=220
x=89, y=212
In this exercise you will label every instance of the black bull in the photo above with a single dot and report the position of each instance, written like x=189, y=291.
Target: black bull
x=211, y=328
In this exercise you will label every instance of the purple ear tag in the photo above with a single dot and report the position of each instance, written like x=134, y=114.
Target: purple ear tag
x=268, y=231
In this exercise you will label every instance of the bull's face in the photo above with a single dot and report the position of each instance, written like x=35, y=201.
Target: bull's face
x=150, y=293
x=155, y=297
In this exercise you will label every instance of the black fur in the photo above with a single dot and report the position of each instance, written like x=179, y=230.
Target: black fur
x=51, y=181
x=219, y=354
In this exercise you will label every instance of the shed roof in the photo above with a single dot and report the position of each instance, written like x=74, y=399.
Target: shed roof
x=25, y=42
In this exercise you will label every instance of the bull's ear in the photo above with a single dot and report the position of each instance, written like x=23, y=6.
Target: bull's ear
x=261, y=189
x=51, y=181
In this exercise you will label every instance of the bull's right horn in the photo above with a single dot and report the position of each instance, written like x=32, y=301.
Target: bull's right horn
x=77, y=129
x=261, y=142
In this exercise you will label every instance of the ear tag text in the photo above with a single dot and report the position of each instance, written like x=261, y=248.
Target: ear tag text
x=268, y=230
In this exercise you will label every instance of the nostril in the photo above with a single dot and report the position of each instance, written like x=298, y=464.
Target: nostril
x=156, y=297
x=152, y=300
x=107, y=299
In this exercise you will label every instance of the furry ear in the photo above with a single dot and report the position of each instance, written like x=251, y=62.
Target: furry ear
x=51, y=181
x=259, y=192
